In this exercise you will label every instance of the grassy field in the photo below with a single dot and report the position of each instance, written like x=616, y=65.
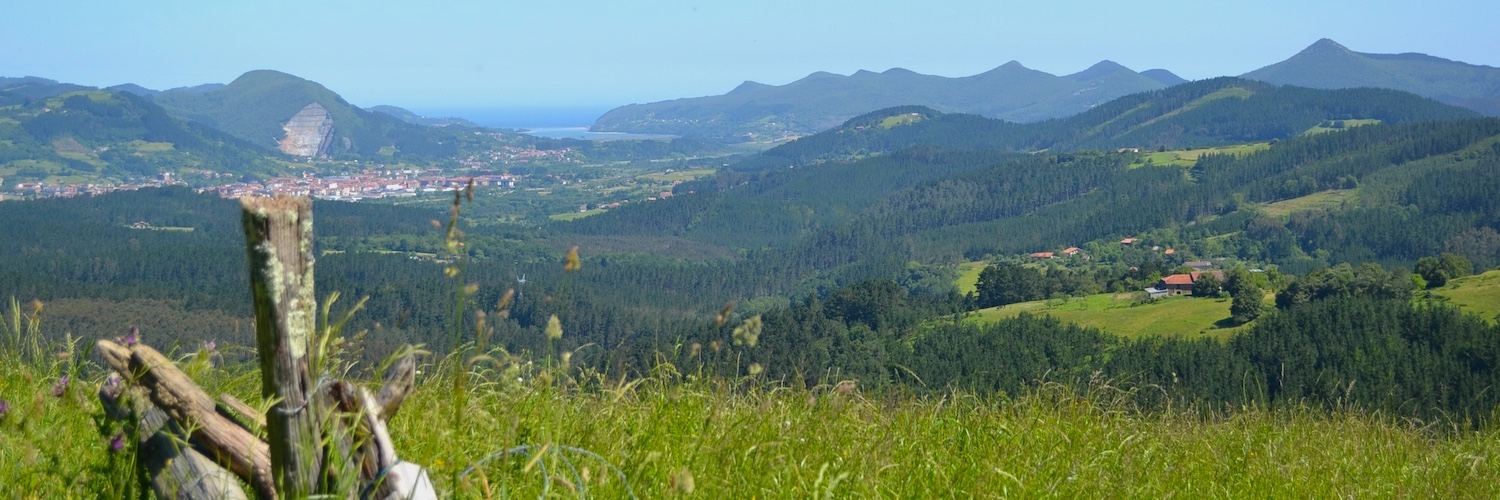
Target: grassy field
x=1189, y=157
x=670, y=436
x=968, y=276
x=575, y=215
x=1329, y=200
x=899, y=120
x=1319, y=129
x=678, y=175
x=1479, y=294
x=1119, y=314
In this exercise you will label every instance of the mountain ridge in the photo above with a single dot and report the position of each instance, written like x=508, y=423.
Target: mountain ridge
x=757, y=111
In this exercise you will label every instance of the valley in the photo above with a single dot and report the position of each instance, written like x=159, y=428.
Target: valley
x=1254, y=280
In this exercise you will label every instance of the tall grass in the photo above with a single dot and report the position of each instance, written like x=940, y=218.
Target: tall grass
x=672, y=434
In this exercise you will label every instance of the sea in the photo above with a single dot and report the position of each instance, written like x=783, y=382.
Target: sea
x=566, y=122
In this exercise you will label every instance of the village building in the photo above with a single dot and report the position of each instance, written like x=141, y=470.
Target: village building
x=1180, y=284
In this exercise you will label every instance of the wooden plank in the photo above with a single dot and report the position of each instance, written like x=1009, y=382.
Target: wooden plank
x=174, y=393
x=278, y=241
x=174, y=470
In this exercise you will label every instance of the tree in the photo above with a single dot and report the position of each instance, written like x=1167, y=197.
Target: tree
x=1246, y=305
x=1207, y=286
x=1246, y=294
x=1438, y=270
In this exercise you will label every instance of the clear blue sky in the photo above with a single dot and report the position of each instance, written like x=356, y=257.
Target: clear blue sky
x=494, y=53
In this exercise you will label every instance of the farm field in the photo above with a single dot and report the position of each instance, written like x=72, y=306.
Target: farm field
x=1329, y=200
x=1119, y=314
x=1189, y=157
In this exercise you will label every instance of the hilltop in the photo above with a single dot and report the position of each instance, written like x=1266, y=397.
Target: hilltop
x=258, y=105
x=755, y=111
x=1327, y=64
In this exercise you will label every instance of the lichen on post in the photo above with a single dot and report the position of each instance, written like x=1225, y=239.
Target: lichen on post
x=279, y=243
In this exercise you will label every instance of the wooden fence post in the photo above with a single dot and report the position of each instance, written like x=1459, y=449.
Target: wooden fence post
x=279, y=243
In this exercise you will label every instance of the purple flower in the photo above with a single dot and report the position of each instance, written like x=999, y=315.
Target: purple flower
x=210, y=346
x=61, y=387
x=117, y=443
x=130, y=338
x=4, y=408
x=112, y=386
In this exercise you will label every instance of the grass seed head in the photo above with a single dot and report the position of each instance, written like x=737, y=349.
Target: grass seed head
x=572, y=263
x=554, y=328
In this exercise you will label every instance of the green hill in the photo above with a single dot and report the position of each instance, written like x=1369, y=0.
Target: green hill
x=1326, y=64
x=255, y=106
x=84, y=136
x=415, y=119
x=1478, y=295
x=755, y=111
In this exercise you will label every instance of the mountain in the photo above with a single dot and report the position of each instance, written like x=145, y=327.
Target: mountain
x=260, y=107
x=755, y=111
x=37, y=87
x=1213, y=112
x=1327, y=64
x=416, y=119
x=98, y=134
x=1167, y=78
x=133, y=89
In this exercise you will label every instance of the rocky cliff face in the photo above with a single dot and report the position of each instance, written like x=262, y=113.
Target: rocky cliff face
x=309, y=132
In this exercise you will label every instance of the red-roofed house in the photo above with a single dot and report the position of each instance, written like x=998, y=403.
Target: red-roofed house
x=1042, y=255
x=1128, y=241
x=1071, y=251
x=1177, y=284
x=1182, y=284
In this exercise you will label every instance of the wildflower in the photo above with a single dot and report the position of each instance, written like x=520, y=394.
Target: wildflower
x=554, y=328
x=61, y=387
x=572, y=263
x=112, y=386
x=117, y=443
x=132, y=337
x=210, y=347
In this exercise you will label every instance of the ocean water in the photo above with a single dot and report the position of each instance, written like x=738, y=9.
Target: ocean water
x=558, y=122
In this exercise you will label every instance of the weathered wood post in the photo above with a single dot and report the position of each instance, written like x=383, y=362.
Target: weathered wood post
x=279, y=243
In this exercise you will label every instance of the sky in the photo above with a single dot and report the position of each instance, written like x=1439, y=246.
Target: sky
x=584, y=53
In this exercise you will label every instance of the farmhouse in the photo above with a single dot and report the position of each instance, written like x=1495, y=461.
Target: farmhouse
x=1071, y=251
x=1041, y=255
x=1182, y=284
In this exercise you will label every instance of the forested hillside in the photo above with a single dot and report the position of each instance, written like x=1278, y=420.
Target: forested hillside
x=1199, y=114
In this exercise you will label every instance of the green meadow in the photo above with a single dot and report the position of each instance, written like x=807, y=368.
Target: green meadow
x=1125, y=315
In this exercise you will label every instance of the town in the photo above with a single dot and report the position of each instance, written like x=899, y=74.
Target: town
x=367, y=184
